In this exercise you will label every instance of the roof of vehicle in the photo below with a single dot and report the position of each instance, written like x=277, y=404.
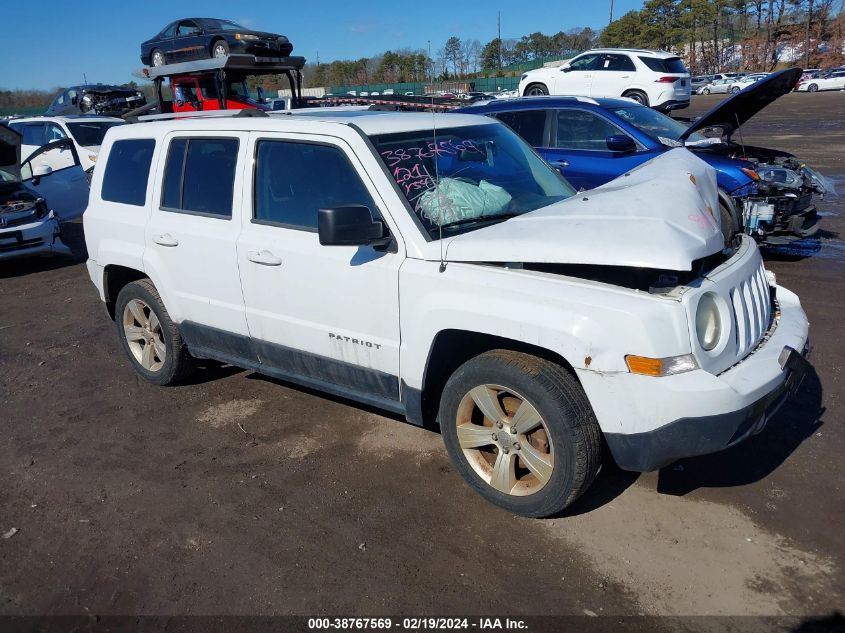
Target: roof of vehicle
x=368, y=121
x=547, y=101
x=99, y=87
x=67, y=118
x=639, y=51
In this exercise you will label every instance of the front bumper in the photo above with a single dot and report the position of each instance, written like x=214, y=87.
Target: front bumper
x=651, y=422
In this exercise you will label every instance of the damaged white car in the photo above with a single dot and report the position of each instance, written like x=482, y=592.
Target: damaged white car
x=27, y=225
x=435, y=266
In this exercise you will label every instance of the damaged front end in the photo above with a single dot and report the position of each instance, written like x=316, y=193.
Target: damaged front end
x=110, y=100
x=781, y=210
x=27, y=226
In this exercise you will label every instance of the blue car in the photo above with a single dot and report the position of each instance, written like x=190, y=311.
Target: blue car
x=763, y=192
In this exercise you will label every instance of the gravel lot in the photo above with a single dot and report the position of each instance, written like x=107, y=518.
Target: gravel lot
x=236, y=494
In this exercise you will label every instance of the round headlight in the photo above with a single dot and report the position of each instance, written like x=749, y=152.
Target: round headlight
x=708, y=322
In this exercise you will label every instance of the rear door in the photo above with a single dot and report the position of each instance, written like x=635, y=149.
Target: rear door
x=329, y=314
x=613, y=74
x=579, y=148
x=191, y=236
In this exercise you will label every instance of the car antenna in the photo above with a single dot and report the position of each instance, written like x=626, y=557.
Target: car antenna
x=437, y=185
x=739, y=129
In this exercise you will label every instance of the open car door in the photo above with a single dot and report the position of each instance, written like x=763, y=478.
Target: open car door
x=66, y=187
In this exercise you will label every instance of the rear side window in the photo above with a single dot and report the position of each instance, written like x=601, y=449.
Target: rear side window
x=294, y=180
x=529, y=124
x=616, y=62
x=199, y=176
x=668, y=65
x=127, y=171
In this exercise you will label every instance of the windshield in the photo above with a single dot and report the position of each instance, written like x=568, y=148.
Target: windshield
x=658, y=126
x=90, y=133
x=470, y=176
x=222, y=25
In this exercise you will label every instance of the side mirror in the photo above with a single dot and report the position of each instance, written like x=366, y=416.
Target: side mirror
x=620, y=143
x=350, y=226
x=39, y=171
x=565, y=68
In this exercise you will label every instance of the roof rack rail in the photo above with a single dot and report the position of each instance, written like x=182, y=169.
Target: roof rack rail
x=201, y=114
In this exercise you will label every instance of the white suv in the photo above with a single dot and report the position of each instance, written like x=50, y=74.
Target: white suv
x=435, y=266
x=653, y=78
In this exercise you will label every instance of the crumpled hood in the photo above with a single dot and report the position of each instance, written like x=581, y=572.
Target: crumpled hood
x=663, y=214
x=736, y=110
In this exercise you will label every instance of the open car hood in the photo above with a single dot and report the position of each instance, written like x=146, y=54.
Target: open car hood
x=10, y=152
x=664, y=214
x=736, y=110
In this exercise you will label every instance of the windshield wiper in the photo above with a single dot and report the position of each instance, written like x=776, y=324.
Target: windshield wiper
x=480, y=218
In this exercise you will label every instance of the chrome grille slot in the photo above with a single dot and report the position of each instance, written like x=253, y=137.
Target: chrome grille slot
x=752, y=311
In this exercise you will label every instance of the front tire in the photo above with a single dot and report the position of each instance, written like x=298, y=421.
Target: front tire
x=149, y=337
x=734, y=89
x=728, y=222
x=706, y=91
x=536, y=90
x=219, y=49
x=520, y=431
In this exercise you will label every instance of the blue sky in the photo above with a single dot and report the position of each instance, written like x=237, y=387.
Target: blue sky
x=54, y=43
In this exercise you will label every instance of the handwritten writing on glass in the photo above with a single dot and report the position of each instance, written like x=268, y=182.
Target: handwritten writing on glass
x=412, y=166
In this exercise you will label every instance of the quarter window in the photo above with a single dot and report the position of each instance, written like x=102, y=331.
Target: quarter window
x=127, y=171
x=294, y=180
x=580, y=129
x=199, y=176
x=529, y=124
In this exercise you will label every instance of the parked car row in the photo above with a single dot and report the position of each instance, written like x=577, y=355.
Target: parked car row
x=822, y=80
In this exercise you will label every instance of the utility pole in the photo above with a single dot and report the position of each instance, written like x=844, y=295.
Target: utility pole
x=807, y=39
x=499, y=35
x=84, y=79
x=611, y=11
x=430, y=63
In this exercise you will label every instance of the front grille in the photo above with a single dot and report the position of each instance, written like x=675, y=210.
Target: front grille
x=752, y=306
x=14, y=246
x=27, y=219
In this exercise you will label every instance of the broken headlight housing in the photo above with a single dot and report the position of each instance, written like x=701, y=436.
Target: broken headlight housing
x=780, y=176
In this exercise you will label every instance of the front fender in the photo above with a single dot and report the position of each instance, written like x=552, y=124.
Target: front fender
x=590, y=324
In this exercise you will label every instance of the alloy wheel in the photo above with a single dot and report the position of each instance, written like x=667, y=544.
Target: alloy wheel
x=158, y=58
x=142, y=330
x=220, y=51
x=505, y=440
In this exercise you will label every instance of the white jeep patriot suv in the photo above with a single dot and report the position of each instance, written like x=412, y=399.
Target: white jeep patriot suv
x=435, y=266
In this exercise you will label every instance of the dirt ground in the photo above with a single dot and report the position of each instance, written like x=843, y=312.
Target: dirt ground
x=238, y=495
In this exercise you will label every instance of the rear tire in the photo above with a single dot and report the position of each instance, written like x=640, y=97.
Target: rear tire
x=813, y=88
x=149, y=337
x=157, y=59
x=706, y=91
x=637, y=95
x=734, y=89
x=544, y=448
x=536, y=90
